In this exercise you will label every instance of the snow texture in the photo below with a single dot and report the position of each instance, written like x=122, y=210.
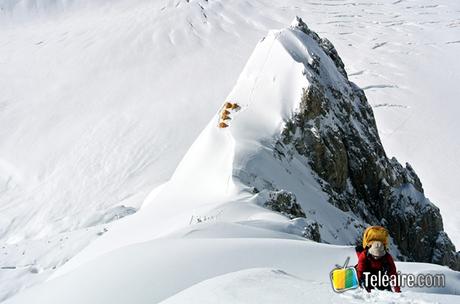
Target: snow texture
x=101, y=100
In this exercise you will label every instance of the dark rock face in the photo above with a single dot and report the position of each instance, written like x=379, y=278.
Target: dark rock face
x=284, y=202
x=311, y=231
x=336, y=131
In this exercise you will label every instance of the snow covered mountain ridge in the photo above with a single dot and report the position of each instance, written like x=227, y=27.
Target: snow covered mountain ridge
x=117, y=61
x=257, y=160
x=216, y=207
x=305, y=137
x=336, y=132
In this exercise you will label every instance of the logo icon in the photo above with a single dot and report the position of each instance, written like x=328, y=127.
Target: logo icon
x=343, y=277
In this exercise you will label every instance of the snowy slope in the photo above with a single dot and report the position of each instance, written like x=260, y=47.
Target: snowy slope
x=212, y=179
x=276, y=286
x=211, y=269
x=110, y=127
x=146, y=77
x=159, y=252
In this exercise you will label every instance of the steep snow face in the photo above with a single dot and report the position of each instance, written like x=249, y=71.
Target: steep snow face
x=217, y=178
x=276, y=74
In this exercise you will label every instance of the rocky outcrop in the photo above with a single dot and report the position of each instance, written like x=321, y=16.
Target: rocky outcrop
x=336, y=131
x=311, y=231
x=285, y=203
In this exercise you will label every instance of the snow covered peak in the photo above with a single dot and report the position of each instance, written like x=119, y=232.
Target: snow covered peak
x=297, y=21
x=268, y=91
x=230, y=174
x=294, y=147
x=286, y=167
x=303, y=127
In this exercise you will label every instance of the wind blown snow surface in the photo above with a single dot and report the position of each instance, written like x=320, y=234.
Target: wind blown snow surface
x=101, y=100
x=205, y=230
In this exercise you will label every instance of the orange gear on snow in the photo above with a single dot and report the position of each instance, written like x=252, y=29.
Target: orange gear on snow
x=235, y=106
x=224, y=114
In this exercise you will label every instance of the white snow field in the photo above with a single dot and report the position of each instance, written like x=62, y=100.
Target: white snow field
x=204, y=230
x=100, y=101
x=220, y=270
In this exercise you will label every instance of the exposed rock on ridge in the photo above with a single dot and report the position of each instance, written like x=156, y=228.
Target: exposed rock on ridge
x=336, y=131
